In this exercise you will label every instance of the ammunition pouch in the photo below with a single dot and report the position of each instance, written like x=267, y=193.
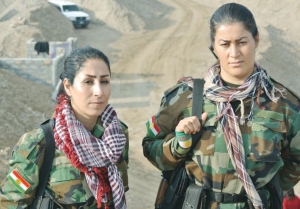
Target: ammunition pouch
x=195, y=198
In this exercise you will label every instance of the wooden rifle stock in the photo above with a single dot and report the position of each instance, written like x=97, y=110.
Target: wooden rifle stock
x=161, y=193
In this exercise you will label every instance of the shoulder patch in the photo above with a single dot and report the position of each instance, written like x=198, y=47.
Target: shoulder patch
x=152, y=127
x=18, y=181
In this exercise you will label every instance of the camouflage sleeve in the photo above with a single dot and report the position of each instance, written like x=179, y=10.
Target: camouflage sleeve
x=126, y=148
x=159, y=142
x=18, y=188
x=123, y=162
x=290, y=153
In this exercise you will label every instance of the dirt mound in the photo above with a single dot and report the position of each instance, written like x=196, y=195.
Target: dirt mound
x=38, y=19
x=24, y=105
x=127, y=15
x=28, y=19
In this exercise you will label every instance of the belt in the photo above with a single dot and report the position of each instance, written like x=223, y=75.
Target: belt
x=225, y=197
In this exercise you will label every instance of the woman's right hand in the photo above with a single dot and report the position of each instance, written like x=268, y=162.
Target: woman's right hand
x=190, y=125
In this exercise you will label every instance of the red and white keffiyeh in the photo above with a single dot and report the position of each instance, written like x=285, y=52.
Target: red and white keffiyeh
x=96, y=158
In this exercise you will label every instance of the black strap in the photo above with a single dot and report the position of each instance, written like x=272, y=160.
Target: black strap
x=177, y=179
x=226, y=198
x=197, y=108
x=47, y=127
x=196, y=111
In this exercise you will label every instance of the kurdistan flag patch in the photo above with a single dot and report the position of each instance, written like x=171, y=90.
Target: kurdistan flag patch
x=18, y=181
x=152, y=127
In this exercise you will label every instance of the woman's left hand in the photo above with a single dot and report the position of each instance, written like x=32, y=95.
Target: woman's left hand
x=190, y=125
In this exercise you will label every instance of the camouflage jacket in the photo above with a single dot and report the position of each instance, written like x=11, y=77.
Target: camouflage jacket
x=271, y=142
x=66, y=183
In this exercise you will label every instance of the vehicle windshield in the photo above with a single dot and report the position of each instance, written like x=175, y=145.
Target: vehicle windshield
x=70, y=8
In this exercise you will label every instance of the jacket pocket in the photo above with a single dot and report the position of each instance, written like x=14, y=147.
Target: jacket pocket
x=268, y=129
x=66, y=181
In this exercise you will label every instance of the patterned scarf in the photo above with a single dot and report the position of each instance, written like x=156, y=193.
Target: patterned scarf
x=223, y=95
x=96, y=158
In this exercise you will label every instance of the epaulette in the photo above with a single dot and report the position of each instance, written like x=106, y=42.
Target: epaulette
x=182, y=81
x=291, y=91
x=173, y=88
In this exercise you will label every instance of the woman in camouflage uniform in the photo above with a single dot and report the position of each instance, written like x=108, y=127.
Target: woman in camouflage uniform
x=250, y=147
x=90, y=164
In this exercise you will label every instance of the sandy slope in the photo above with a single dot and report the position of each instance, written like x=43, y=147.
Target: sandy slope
x=147, y=62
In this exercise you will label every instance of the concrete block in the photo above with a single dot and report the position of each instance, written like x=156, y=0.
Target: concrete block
x=27, y=61
x=35, y=66
x=47, y=61
x=18, y=62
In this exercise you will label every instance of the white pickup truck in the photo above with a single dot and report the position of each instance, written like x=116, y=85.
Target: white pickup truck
x=72, y=12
